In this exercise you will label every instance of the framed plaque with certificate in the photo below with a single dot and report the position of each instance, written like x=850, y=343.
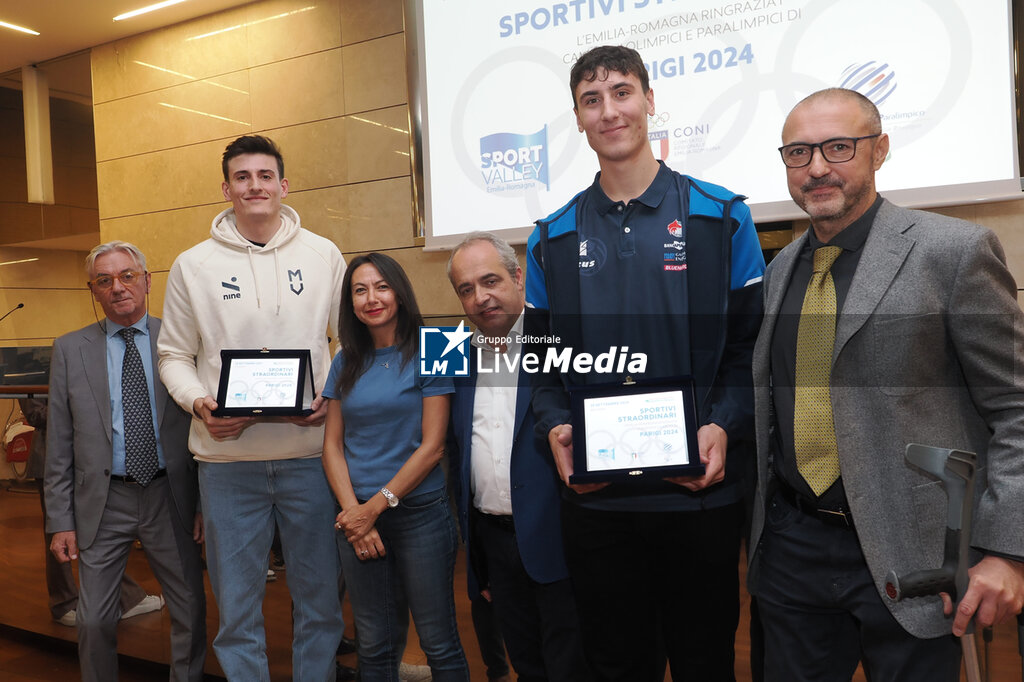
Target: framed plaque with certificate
x=265, y=383
x=634, y=431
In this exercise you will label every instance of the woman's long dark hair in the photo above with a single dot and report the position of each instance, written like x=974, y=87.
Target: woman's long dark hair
x=356, y=343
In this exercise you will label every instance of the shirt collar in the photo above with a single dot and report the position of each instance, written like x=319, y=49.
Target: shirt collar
x=652, y=196
x=113, y=328
x=853, y=236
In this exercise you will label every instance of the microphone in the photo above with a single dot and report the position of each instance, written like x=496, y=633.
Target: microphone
x=20, y=305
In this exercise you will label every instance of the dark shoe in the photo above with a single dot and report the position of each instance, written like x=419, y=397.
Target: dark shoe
x=346, y=646
x=343, y=673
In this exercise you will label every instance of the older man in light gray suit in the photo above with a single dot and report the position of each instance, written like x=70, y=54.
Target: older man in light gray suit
x=921, y=334
x=118, y=469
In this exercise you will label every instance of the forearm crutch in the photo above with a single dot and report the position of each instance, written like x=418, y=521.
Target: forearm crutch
x=955, y=468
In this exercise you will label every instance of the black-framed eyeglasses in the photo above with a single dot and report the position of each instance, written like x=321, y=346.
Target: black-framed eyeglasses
x=835, y=150
x=128, y=278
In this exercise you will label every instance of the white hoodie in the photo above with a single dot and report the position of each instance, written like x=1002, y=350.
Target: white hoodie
x=228, y=293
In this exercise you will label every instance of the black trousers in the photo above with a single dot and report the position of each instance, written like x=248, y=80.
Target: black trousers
x=822, y=613
x=537, y=620
x=651, y=586
x=488, y=636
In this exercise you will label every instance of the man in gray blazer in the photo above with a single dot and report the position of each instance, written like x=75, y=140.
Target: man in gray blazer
x=919, y=347
x=118, y=469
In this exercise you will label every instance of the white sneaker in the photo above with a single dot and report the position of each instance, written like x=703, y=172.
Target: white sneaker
x=151, y=602
x=414, y=673
x=67, y=619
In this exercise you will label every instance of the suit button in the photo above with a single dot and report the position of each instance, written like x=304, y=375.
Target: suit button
x=106, y=472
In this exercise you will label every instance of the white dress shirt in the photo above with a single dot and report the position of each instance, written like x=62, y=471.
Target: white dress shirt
x=494, y=416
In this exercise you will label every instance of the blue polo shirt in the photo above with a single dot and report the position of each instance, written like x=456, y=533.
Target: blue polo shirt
x=632, y=267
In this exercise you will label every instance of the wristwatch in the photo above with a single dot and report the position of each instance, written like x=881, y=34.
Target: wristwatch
x=390, y=497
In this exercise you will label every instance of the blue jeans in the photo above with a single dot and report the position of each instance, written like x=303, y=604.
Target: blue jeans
x=241, y=502
x=414, y=575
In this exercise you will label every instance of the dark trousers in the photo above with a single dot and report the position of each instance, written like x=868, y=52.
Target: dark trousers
x=822, y=613
x=537, y=620
x=655, y=585
x=488, y=636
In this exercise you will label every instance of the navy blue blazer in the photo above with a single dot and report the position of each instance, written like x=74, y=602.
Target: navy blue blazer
x=536, y=488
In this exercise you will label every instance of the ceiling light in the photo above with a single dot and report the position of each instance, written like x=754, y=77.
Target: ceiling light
x=144, y=10
x=15, y=27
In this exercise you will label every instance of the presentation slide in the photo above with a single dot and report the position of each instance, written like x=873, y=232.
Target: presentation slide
x=499, y=139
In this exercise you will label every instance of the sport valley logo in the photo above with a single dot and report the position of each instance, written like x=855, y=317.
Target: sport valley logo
x=444, y=351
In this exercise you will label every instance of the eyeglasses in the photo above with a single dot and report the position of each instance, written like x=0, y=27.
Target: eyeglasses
x=128, y=278
x=836, y=150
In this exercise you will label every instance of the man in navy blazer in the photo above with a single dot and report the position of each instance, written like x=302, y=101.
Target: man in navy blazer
x=503, y=479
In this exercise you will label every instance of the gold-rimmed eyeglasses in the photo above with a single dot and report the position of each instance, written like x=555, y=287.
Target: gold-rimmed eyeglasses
x=128, y=278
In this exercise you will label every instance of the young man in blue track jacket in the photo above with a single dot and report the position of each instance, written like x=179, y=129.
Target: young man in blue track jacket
x=671, y=267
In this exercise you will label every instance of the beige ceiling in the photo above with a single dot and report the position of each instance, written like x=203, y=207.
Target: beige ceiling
x=68, y=26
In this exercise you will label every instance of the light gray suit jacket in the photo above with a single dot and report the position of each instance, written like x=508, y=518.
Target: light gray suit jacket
x=927, y=348
x=79, y=441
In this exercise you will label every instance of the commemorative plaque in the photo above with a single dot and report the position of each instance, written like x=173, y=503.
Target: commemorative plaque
x=634, y=431
x=265, y=383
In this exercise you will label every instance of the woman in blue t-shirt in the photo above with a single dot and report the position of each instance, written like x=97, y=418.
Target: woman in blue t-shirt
x=383, y=443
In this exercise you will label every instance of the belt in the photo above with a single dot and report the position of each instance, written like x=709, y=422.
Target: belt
x=841, y=518
x=130, y=479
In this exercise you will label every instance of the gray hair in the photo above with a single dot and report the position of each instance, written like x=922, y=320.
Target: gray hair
x=116, y=245
x=505, y=251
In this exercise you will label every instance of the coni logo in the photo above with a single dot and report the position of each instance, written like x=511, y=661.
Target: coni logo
x=444, y=351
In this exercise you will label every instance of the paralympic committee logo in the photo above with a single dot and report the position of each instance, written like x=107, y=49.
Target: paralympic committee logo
x=444, y=351
x=510, y=161
x=874, y=80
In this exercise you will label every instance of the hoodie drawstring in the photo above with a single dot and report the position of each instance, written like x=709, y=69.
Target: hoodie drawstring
x=255, y=279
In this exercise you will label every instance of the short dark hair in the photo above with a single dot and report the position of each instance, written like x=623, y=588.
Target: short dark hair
x=252, y=144
x=607, y=58
x=356, y=343
x=867, y=107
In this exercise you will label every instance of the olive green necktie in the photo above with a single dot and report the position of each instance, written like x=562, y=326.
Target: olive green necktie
x=814, y=433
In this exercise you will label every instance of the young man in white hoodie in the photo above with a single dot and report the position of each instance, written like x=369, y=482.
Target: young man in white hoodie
x=259, y=281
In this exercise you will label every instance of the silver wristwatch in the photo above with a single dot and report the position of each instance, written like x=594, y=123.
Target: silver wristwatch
x=390, y=497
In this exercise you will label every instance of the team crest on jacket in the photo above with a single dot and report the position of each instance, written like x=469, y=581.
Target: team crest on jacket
x=675, y=228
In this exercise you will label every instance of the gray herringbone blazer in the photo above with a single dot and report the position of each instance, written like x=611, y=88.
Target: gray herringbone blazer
x=927, y=351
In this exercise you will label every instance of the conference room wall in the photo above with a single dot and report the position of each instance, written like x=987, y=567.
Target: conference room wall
x=324, y=78
x=327, y=80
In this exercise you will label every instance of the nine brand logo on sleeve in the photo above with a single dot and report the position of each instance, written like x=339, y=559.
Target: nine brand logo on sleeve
x=444, y=351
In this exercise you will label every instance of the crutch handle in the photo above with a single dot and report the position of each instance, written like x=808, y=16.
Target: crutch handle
x=921, y=583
